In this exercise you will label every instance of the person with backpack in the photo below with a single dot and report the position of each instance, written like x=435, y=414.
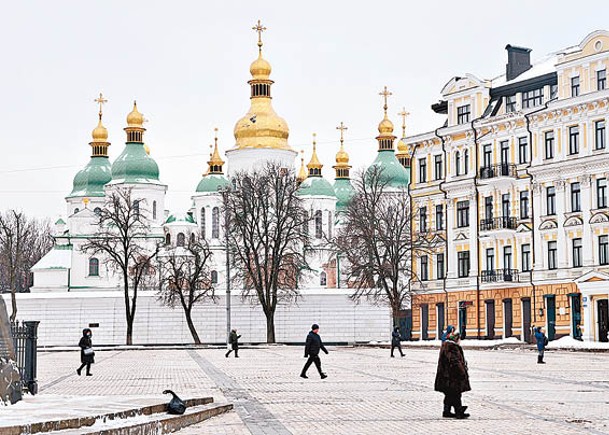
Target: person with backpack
x=233, y=340
x=87, y=355
x=542, y=342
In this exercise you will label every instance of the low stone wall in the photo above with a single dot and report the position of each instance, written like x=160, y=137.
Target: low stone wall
x=63, y=315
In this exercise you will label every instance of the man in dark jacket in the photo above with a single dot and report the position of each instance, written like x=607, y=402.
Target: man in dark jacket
x=452, y=378
x=312, y=348
x=395, y=341
x=233, y=340
x=87, y=356
x=542, y=342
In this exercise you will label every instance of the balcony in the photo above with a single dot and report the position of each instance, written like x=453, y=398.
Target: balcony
x=500, y=170
x=498, y=223
x=500, y=275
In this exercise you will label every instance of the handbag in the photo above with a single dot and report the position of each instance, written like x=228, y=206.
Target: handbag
x=89, y=351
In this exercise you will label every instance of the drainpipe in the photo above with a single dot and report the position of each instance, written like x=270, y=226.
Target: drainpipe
x=409, y=193
x=532, y=204
x=441, y=187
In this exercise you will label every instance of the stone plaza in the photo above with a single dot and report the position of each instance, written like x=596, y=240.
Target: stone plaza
x=367, y=392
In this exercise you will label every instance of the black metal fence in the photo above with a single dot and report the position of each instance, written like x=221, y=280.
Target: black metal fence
x=25, y=340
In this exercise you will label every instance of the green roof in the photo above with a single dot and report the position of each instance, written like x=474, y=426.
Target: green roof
x=212, y=183
x=60, y=221
x=90, y=180
x=135, y=166
x=393, y=171
x=344, y=192
x=316, y=186
x=187, y=218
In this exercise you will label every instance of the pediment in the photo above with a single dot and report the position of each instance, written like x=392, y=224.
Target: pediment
x=523, y=228
x=599, y=218
x=458, y=84
x=592, y=276
x=437, y=240
x=550, y=224
x=461, y=236
x=573, y=221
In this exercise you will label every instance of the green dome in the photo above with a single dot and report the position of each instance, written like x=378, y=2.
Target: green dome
x=212, y=183
x=344, y=192
x=90, y=180
x=134, y=165
x=316, y=186
x=393, y=171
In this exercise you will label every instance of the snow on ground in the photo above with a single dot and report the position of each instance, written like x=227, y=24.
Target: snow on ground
x=571, y=343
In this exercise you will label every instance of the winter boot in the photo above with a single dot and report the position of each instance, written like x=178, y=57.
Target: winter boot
x=446, y=413
x=461, y=414
x=323, y=376
x=304, y=376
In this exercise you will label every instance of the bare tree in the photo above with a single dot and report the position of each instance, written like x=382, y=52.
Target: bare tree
x=23, y=242
x=186, y=279
x=267, y=231
x=377, y=241
x=122, y=240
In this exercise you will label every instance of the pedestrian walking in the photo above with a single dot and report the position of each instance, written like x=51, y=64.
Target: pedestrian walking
x=395, y=341
x=452, y=378
x=312, y=348
x=542, y=342
x=449, y=330
x=87, y=355
x=233, y=340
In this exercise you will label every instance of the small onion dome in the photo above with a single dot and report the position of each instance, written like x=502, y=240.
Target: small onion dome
x=260, y=69
x=100, y=133
x=90, y=181
x=385, y=126
x=302, y=173
x=342, y=156
x=316, y=186
x=135, y=118
x=403, y=149
x=212, y=183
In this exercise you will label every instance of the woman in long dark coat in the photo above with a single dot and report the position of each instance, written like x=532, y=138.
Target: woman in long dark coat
x=86, y=358
x=452, y=378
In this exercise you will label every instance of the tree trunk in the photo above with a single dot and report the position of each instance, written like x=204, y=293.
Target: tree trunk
x=270, y=326
x=129, y=318
x=14, y=304
x=395, y=312
x=191, y=327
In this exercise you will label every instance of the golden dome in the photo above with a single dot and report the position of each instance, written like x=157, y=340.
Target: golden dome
x=260, y=69
x=100, y=133
x=314, y=164
x=403, y=148
x=135, y=118
x=341, y=156
x=215, y=161
x=302, y=173
x=385, y=126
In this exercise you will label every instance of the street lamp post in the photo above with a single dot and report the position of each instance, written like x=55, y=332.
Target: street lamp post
x=228, y=307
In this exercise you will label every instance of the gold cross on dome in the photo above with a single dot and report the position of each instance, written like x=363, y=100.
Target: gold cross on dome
x=101, y=101
x=385, y=93
x=342, y=127
x=403, y=114
x=259, y=28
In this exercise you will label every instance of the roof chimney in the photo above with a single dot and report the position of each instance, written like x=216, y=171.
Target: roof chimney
x=519, y=61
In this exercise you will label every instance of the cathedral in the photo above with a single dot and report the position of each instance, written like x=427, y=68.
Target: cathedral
x=261, y=136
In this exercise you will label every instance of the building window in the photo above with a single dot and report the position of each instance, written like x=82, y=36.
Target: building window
x=76, y=210
x=323, y=279
x=574, y=140
x=601, y=79
x=168, y=239
x=505, y=205
x=487, y=155
x=523, y=149
x=553, y=91
x=215, y=223
x=203, y=223
x=93, y=267
x=575, y=86
x=576, y=204
x=424, y=272
x=457, y=163
x=507, y=258
x=192, y=238
x=463, y=264
x=577, y=252
x=437, y=167
x=549, y=141
x=466, y=161
x=601, y=193
x=136, y=209
x=526, y=257
x=318, y=225
x=603, y=250
x=552, y=263
x=524, y=204
x=440, y=270
x=463, y=113
x=214, y=277
x=423, y=219
x=154, y=210
x=329, y=224
x=505, y=153
x=462, y=214
x=488, y=208
x=510, y=103
x=439, y=217
x=532, y=98
x=181, y=241
x=490, y=259
x=423, y=170
x=599, y=135
x=550, y=200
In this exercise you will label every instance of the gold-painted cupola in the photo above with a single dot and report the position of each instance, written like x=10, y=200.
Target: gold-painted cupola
x=215, y=161
x=386, y=136
x=135, y=125
x=404, y=151
x=314, y=164
x=100, y=144
x=342, y=158
x=302, y=173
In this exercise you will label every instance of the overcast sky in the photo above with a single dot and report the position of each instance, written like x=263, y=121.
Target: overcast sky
x=187, y=64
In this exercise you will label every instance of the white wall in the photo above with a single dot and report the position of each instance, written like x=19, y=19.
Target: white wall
x=62, y=317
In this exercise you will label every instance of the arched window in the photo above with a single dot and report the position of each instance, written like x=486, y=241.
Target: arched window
x=203, y=222
x=329, y=224
x=318, y=225
x=466, y=162
x=168, y=239
x=93, y=267
x=154, y=210
x=457, y=163
x=181, y=239
x=322, y=279
x=136, y=208
x=215, y=223
x=76, y=210
x=97, y=211
x=214, y=277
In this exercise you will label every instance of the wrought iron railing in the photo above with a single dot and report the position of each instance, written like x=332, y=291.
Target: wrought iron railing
x=500, y=275
x=500, y=170
x=25, y=340
x=504, y=222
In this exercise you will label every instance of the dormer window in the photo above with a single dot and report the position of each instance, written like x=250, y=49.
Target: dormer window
x=463, y=113
x=510, y=103
x=532, y=98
